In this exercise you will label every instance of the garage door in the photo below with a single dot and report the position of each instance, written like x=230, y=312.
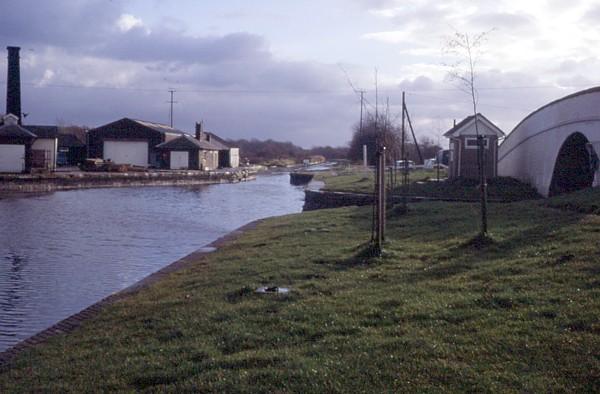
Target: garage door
x=179, y=160
x=12, y=158
x=127, y=152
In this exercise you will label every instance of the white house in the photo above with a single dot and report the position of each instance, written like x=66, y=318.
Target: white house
x=45, y=146
x=15, y=145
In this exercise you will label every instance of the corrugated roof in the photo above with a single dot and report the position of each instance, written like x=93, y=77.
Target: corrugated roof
x=161, y=128
x=216, y=141
x=15, y=131
x=186, y=142
x=43, y=131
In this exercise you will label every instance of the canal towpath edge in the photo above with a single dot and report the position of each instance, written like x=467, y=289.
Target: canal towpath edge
x=72, y=322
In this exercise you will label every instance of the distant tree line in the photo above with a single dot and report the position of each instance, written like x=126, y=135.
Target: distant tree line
x=371, y=134
x=257, y=151
x=383, y=133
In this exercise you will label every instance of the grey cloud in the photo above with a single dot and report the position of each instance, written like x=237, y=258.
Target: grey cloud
x=59, y=23
x=81, y=44
x=592, y=15
x=172, y=46
x=420, y=83
x=506, y=22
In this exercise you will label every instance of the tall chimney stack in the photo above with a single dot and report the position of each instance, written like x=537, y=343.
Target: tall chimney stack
x=199, y=131
x=13, y=83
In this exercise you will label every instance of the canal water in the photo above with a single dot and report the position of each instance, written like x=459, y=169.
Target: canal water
x=62, y=252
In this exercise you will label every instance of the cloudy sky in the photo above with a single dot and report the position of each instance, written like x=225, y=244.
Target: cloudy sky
x=280, y=69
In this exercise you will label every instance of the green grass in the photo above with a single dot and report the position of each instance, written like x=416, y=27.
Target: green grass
x=583, y=201
x=423, y=184
x=358, y=180
x=433, y=314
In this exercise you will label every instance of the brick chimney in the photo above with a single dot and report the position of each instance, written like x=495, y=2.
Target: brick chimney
x=199, y=131
x=13, y=83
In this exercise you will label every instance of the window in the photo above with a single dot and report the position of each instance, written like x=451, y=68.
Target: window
x=471, y=143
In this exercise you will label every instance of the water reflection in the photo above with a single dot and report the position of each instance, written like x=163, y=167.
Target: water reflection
x=64, y=251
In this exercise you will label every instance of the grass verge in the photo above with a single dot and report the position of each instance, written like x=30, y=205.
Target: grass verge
x=356, y=179
x=423, y=184
x=520, y=313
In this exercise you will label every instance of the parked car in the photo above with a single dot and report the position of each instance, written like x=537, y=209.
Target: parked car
x=432, y=164
x=400, y=164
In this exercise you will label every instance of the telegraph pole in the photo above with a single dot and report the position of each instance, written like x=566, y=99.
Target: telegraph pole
x=402, y=153
x=172, y=91
x=362, y=104
x=376, y=102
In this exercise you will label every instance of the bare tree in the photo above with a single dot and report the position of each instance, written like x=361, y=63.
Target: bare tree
x=467, y=50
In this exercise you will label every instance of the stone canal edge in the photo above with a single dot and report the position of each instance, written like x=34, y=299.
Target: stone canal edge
x=74, y=321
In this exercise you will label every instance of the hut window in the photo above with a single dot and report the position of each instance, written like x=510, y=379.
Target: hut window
x=471, y=143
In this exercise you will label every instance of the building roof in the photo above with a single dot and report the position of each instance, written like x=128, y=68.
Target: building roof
x=468, y=120
x=69, y=141
x=13, y=130
x=161, y=128
x=186, y=142
x=216, y=141
x=43, y=131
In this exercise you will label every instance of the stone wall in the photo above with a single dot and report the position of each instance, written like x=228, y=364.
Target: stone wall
x=322, y=199
x=83, y=180
x=318, y=199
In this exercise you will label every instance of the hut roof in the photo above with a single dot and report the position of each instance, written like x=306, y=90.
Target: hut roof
x=186, y=142
x=467, y=121
x=13, y=130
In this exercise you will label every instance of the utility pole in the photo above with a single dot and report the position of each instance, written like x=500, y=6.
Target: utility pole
x=362, y=104
x=172, y=91
x=438, y=155
x=387, y=112
x=376, y=103
x=403, y=154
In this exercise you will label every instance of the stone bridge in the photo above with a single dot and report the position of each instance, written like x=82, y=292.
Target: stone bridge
x=554, y=148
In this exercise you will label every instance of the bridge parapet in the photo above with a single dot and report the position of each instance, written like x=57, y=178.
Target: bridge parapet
x=531, y=150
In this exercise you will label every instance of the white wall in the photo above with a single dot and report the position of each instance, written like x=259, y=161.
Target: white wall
x=127, y=152
x=179, y=160
x=529, y=153
x=49, y=145
x=12, y=158
x=234, y=157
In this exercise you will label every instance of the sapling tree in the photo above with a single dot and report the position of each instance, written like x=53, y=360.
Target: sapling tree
x=467, y=49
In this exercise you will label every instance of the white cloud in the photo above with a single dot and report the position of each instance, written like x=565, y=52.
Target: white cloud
x=391, y=37
x=47, y=77
x=127, y=22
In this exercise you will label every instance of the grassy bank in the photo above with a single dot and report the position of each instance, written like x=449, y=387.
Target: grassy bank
x=355, y=179
x=423, y=184
x=432, y=314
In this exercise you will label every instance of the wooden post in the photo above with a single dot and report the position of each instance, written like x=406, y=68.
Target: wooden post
x=381, y=200
x=383, y=194
x=483, y=185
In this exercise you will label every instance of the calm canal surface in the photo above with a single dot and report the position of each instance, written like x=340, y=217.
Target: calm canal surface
x=62, y=252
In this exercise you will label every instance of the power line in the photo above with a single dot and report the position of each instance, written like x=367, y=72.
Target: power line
x=293, y=91
x=207, y=91
x=463, y=101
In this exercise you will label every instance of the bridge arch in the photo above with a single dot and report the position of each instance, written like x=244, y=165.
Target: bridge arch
x=550, y=147
x=573, y=169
